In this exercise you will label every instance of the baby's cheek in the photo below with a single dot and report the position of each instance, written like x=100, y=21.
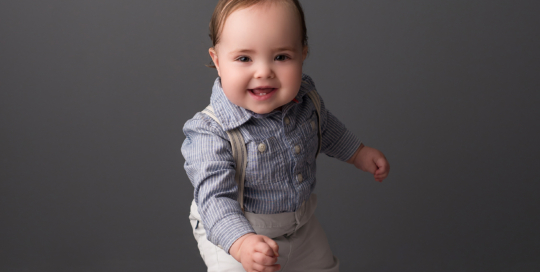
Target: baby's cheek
x=293, y=80
x=235, y=91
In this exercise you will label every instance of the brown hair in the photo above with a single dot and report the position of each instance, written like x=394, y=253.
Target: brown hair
x=224, y=8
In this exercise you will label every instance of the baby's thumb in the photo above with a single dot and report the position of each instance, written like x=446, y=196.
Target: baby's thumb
x=381, y=164
x=273, y=245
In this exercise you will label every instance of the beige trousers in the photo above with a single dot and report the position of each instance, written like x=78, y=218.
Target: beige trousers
x=303, y=245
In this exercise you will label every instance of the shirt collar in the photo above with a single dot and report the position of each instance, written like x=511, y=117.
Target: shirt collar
x=232, y=116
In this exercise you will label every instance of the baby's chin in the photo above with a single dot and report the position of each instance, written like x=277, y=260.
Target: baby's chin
x=263, y=110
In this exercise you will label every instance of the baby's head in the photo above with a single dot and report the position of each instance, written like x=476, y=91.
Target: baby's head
x=258, y=50
x=225, y=7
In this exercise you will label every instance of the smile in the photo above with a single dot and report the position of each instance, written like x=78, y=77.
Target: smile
x=262, y=93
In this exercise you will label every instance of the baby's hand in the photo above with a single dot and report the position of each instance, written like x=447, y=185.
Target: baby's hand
x=371, y=160
x=256, y=253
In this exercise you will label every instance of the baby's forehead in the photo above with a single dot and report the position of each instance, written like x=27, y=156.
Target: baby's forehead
x=261, y=18
x=285, y=10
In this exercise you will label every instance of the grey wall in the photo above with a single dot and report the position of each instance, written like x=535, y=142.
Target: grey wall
x=94, y=94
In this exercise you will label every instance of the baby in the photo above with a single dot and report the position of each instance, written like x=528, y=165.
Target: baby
x=251, y=154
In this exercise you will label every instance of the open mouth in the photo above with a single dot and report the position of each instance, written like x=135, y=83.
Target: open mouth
x=262, y=91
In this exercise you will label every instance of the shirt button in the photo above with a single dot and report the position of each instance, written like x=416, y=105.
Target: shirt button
x=262, y=148
x=297, y=149
x=299, y=178
x=287, y=120
x=313, y=124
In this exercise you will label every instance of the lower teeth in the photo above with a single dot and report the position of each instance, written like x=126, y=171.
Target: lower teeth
x=262, y=94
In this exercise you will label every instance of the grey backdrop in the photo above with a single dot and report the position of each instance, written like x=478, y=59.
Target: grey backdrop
x=94, y=94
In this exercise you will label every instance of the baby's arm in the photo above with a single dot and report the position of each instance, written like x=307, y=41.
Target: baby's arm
x=342, y=144
x=211, y=169
x=256, y=253
x=371, y=160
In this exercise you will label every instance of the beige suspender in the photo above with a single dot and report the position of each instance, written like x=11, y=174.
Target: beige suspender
x=238, y=145
x=239, y=154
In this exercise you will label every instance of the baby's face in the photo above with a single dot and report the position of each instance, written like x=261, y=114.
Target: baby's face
x=259, y=57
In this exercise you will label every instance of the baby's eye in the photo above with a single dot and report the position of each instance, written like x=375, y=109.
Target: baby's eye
x=243, y=59
x=282, y=57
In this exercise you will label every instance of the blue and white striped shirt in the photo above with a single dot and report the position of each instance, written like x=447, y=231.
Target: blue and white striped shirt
x=280, y=171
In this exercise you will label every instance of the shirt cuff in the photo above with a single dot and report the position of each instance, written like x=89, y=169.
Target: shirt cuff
x=228, y=230
x=344, y=148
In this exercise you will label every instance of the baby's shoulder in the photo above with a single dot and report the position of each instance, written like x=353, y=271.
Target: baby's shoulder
x=202, y=123
x=309, y=89
x=307, y=80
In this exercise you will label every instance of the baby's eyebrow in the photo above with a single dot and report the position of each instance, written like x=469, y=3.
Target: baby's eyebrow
x=241, y=51
x=251, y=51
x=286, y=48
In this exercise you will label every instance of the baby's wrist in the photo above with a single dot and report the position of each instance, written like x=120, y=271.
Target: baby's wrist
x=236, y=247
x=353, y=158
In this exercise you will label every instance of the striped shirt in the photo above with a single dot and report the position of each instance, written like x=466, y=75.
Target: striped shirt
x=281, y=166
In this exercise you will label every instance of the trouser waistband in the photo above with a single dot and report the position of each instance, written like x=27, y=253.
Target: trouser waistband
x=275, y=225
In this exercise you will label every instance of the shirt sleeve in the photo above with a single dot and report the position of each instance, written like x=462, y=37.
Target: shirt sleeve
x=211, y=169
x=337, y=140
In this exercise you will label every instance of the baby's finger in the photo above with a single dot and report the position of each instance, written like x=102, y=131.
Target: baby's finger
x=273, y=245
x=381, y=176
x=370, y=167
x=266, y=268
x=264, y=248
x=381, y=168
x=382, y=164
x=263, y=259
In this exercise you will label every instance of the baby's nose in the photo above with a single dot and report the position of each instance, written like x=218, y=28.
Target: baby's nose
x=264, y=71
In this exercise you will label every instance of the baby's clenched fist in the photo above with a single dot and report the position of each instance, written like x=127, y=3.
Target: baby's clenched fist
x=256, y=253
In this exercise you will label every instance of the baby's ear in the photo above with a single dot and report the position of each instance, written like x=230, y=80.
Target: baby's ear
x=214, y=57
x=305, y=51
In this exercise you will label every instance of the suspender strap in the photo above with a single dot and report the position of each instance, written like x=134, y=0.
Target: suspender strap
x=238, y=145
x=239, y=154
